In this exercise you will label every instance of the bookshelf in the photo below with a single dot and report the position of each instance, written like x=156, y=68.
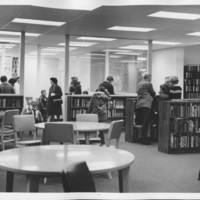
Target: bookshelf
x=179, y=126
x=11, y=101
x=133, y=131
x=79, y=104
x=191, y=81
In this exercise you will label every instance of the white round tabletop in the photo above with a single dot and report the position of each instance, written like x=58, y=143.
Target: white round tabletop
x=81, y=126
x=52, y=159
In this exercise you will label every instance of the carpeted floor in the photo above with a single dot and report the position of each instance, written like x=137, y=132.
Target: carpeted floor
x=152, y=171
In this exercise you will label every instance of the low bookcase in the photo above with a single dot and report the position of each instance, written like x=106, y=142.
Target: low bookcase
x=179, y=126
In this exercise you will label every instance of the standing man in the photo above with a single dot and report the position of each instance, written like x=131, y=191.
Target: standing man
x=146, y=95
x=108, y=84
x=5, y=87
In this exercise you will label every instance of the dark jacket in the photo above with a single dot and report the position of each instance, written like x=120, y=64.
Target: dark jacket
x=146, y=94
x=6, y=88
x=108, y=86
x=53, y=108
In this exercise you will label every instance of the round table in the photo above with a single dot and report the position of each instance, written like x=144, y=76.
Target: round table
x=85, y=127
x=47, y=160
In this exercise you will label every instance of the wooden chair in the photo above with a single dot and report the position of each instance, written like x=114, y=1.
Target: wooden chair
x=7, y=132
x=88, y=117
x=78, y=179
x=58, y=132
x=114, y=133
x=22, y=124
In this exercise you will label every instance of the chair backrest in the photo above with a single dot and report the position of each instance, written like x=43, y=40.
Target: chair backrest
x=114, y=132
x=78, y=179
x=87, y=117
x=23, y=123
x=8, y=116
x=58, y=132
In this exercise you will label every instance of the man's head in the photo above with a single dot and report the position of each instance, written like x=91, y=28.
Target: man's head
x=110, y=79
x=147, y=76
x=3, y=79
x=168, y=81
x=43, y=92
x=53, y=80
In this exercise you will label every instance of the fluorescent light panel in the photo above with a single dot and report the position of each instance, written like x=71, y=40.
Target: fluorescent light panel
x=135, y=29
x=53, y=49
x=175, y=15
x=194, y=34
x=96, y=38
x=18, y=33
x=130, y=61
x=116, y=50
x=38, y=22
x=11, y=40
x=166, y=43
x=79, y=44
x=131, y=54
x=138, y=47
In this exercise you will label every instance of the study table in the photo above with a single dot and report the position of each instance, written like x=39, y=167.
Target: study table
x=86, y=127
x=37, y=162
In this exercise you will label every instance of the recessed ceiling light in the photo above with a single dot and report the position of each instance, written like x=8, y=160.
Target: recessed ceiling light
x=141, y=58
x=53, y=49
x=79, y=44
x=38, y=22
x=10, y=40
x=166, y=43
x=131, y=54
x=175, y=15
x=96, y=38
x=130, y=61
x=139, y=47
x=115, y=56
x=194, y=34
x=136, y=29
x=18, y=33
x=116, y=50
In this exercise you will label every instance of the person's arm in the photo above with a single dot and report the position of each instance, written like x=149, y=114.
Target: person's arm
x=151, y=90
x=90, y=105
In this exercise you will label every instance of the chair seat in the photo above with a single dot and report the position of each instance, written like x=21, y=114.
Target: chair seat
x=28, y=143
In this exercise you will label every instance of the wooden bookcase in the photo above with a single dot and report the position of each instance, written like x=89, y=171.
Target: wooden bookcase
x=11, y=101
x=191, y=82
x=79, y=104
x=179, y=126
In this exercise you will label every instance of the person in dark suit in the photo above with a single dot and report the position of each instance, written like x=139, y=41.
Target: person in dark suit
x=108, y=84
x=5, y=87
x=75, y=86
x=175, y=91
x=146, y=95
x=165, y=88
x=54, y=101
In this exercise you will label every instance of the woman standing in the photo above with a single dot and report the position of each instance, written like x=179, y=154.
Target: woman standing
x=54, y=100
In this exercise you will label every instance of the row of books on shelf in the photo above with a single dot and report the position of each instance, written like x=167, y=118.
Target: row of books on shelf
x=192, y=68
x=194, y=88
x=192, y=75
x=192, y=82
x=184, y=141
x=78, y=102
x=75, y=112
x=85, y=103
x=193, y=95
x=185, y=110
x=181, y=125
x=10, y=102
x=111, y=113
x=115, y=113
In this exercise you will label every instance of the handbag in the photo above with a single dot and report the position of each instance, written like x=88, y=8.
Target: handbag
x=57, y=101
